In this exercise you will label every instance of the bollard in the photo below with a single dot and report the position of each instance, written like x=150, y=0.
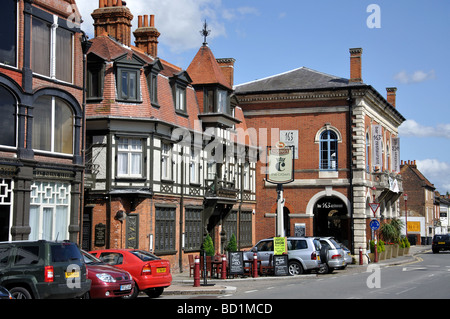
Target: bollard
x=197, y=271
x=255, y=265
x=360, y=256
x=376, y=254
x=224, y=266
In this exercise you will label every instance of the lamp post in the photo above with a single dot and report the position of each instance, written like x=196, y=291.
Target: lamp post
x=405, y=197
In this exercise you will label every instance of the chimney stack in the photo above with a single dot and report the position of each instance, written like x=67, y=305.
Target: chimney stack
x=227, y=68
x=113, y=18
x=391, y=94
x=146, y=35
x=355, y=65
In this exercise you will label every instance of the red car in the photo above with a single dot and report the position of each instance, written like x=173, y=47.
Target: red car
x=107, y=281
x=150, y=273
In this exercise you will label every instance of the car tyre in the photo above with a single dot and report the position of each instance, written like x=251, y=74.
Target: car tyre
x=154, y=292
x=134, y=293
x=295, y=268
x=20, y=293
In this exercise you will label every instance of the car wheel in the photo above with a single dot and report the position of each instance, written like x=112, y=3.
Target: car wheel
x=295, y=268
x=20, y=293
x=323, y=269
x=154, y=292
x=134, y=293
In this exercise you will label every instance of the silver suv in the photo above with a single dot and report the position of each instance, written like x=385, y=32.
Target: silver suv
x=332, y=255
x=303, y=253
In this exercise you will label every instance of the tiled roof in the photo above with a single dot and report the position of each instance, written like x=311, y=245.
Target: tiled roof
x=299, y=79
x=204, y=69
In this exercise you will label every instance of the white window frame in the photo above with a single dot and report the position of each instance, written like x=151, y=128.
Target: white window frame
x=166, y=161
x=53, y=28
x=133, y=147
x=52, y=198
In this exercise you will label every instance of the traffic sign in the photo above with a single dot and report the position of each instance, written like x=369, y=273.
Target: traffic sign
x=374, y=207
x=374, y=224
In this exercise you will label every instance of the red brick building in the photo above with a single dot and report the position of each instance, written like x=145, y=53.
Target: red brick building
x=331, y=121
x=41, y=105
x=420, y=202
x=155, y=178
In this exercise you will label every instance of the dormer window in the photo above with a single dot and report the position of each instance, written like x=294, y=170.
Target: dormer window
x=179, y=83
x=128, y=73
x=152, y=70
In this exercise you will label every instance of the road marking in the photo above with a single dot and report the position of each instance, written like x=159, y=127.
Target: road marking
x=399, y=293
x=250, y=291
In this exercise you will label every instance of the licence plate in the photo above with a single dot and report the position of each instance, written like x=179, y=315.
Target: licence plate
x=318, y=257
x=441, y=243
x=75, y=274
x=160, y=270
x=125, y=287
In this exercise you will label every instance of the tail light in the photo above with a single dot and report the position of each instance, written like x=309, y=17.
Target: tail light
x=313, y=255
x=147, y=269
x=48, y=274
x=335, y=256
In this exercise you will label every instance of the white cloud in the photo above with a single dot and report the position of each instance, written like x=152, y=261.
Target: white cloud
x=416, y=77
x=436, y=172
x=178, y=21
x=412, y=128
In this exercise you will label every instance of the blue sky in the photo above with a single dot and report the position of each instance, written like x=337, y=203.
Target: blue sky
x=408, y=49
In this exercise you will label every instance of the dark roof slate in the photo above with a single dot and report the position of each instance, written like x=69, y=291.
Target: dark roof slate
x=295, y=80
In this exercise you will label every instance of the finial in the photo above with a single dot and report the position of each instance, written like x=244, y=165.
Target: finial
x=205, y=32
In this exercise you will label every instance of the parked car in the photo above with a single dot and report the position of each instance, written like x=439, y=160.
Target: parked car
x=332, y=255
x=43, y=269
x=151, y=274
x=5, y=294
x=440, y=242
x=347, y=255
x=303, y=253
x=107, y=281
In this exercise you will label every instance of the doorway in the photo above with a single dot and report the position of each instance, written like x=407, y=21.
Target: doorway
x=331, y=219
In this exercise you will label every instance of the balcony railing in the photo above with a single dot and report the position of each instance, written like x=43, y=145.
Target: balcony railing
x=220, y=188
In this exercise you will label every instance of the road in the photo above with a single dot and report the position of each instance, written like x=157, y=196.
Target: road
x=427, y=277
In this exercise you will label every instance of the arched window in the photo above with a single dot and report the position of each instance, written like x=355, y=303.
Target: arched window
x=53, y=124
x=8, y=122
x=328, y=150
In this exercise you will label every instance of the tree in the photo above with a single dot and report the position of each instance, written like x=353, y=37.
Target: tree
x=232, y=244
x=208, y=246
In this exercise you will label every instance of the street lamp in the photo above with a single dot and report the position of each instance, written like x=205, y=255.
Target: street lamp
x=405, y=197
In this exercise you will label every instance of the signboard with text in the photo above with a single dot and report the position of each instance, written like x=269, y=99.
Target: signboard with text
x=280, y=164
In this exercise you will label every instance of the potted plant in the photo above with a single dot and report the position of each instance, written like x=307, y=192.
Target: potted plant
x=401, y=248
x=407, y=245
x=232, y=244
x=381, y=248
x=208, y=246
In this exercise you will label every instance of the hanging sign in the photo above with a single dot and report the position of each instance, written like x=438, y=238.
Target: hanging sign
x=377, y=138
x=280, y=164
x=396, y=154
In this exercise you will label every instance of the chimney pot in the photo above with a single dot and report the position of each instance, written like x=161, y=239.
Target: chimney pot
x=152, y=20
x=139, y=21
x=355, y=65
x=145, y=20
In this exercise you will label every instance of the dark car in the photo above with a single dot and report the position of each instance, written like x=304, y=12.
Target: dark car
x=5, y=294
x=440, y=242
x=107, y=281
x=43, y=269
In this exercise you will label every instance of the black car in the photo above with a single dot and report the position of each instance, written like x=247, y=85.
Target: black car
x=440, y=242
x=43, y=269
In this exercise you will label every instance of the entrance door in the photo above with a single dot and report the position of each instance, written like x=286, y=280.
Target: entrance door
x=330, y=219
x=4, y=222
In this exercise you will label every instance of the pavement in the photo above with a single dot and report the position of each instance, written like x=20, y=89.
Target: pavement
x=183, y=284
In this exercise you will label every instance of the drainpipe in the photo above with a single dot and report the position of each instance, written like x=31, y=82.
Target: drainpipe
x=350, y=155
x=180, y=254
